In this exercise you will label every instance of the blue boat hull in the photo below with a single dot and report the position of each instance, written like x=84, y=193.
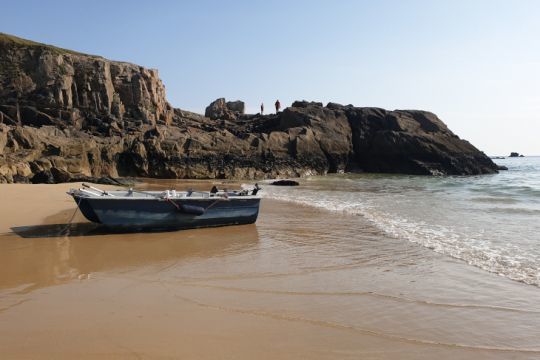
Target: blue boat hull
x=156, y=214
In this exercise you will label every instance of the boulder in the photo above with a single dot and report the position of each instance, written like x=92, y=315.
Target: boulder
x=43, y=177
x=238, y=107
x=285, y=183
x=411, y=142
x=220, y=109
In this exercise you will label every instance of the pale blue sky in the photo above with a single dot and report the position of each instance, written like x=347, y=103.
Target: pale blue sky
x=474, y=63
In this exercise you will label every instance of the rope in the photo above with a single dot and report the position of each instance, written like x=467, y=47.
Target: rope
x=65, y=231
x=172, y=202
x=212, y=204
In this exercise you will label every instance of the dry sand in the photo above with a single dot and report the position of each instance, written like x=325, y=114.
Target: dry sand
x=300, y=284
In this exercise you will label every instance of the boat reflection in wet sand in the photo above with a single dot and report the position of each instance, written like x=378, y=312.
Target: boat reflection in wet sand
x=167, y=210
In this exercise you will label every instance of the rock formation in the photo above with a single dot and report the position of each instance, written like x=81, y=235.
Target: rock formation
x=67, y=116
x=220, y=109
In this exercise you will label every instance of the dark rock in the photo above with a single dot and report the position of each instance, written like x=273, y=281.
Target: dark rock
x=31, y=116
x=285, y=183
x=5, y=119
x=20, y=179
x=238, y=107
x=502, y=167
x=61, y=176
x=154, y=132
x=411, y=142
x=43, y=177
x=304, y=103
x=336, y=106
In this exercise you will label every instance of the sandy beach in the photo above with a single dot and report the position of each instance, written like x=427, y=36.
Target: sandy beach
x=301, y=283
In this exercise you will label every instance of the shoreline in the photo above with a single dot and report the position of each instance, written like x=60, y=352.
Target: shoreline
x=320, y=285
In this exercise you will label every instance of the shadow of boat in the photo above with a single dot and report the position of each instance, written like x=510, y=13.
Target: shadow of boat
x=59, y=230
x=83, y=229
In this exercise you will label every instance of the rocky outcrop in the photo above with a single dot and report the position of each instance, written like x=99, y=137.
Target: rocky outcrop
x=410, y=142
x=66, y=116
x=220, y=109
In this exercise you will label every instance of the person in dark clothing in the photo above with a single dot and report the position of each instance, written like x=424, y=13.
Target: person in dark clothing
x=278, y=106
x=262, y=108
x=214, y=190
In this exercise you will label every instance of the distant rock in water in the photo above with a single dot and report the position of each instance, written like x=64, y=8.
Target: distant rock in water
x=515, y=154
x=285, y=183
x=67, y=116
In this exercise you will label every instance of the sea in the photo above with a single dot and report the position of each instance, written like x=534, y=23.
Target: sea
x=491, y=222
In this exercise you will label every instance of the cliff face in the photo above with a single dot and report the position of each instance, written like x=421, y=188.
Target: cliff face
x=44, y=85
x=67, y=116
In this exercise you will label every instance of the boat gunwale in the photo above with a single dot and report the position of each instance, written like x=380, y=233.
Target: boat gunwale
x=197, y=198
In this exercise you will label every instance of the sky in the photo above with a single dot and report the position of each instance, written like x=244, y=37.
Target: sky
x=474, y=63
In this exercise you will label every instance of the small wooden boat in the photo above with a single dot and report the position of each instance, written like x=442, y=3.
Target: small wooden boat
x=167, y=210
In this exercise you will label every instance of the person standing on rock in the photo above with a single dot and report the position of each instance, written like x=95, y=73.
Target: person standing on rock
x=262, y=108
x=278, y=106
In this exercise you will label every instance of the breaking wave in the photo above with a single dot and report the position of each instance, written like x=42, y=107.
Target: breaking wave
x=483, y=221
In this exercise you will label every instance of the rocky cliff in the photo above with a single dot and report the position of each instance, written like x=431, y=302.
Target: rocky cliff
x=44, y=85
x=66, y=116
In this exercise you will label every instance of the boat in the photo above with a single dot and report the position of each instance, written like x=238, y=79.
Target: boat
x=167, y=210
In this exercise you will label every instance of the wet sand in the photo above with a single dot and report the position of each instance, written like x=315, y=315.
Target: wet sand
x=300, y=284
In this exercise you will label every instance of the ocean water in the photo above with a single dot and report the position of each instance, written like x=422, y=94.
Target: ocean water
x=490, y=221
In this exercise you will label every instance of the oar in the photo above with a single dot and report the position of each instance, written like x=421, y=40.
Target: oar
x=96, y=189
